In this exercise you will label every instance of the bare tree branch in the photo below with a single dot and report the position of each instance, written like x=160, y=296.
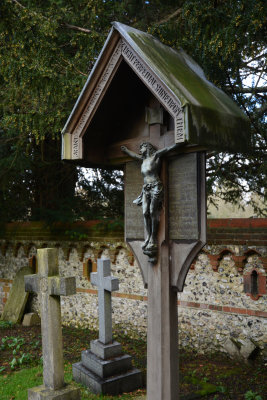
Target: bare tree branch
x=170, y=16
x=18, y=3
x=65, y=24
x=73, y=66
x=76, y=28
x=253, y=122
x=237, y=89
x=254, y=59
x=258, y=80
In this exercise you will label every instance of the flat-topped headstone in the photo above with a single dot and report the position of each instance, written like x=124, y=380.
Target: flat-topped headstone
x=31, y=319
x=104, y=369
x=49, y=287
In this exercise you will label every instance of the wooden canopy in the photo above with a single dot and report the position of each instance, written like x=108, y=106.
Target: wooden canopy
x=137, y=81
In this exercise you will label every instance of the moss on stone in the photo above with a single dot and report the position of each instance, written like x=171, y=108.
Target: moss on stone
x=214, y=119
x=205, y=387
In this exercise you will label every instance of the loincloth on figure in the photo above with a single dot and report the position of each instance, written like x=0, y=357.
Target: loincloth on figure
x=152, y=191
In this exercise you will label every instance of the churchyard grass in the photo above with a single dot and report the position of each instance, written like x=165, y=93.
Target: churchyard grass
x=14, y=386
x=207, y=377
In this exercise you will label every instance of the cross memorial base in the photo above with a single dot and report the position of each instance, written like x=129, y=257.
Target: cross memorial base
x=68, y=392
x=105, y=369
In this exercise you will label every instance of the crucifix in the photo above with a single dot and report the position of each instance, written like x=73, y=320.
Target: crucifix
x=105, y=284
x=141, y=100
x=50, y=286
x=151, y=197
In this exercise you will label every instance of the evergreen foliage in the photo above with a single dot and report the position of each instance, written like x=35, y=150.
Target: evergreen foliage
x=228, y=39
x=47, y=49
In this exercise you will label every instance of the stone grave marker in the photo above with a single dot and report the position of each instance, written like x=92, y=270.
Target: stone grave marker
x=17, y=298
x=150, y=109
x=50, y=286
x=31, y=319
x=104, y=368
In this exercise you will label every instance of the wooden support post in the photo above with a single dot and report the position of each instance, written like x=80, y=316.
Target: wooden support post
x=162, y=335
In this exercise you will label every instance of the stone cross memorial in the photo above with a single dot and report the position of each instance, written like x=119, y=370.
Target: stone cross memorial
x=104, y=368
x=150, y=110
x=105, y=284
x=50, y=287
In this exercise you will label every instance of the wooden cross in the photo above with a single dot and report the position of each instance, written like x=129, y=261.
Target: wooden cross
x=105, y=284
x=50, y=287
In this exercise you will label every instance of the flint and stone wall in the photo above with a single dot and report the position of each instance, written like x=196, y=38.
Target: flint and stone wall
x=214, y=311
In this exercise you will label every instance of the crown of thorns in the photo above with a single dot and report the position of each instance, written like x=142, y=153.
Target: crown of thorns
x=149, y=146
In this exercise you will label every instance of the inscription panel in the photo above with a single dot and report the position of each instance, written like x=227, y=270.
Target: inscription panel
x=183, y=198
x=134, y=223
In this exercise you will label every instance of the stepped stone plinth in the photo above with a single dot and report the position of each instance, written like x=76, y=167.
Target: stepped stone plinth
x=104, y=369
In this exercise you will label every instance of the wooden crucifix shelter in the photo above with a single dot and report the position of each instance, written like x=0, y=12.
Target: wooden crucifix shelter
x=141, y=91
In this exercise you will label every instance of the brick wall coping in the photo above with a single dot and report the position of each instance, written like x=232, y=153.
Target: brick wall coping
x=78, y=231
x=237, y=231
x=245, y=223
x=219, y=231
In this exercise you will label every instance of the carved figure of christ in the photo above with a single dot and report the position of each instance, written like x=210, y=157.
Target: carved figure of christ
x=151, y=197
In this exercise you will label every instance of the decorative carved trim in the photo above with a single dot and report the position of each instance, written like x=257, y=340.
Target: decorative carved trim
x=93, y=101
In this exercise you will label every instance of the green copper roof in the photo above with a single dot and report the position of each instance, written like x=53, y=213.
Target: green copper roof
x=213, y=117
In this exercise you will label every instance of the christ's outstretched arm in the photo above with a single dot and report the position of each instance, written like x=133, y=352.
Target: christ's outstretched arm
x=131, y=153
x=161, y=152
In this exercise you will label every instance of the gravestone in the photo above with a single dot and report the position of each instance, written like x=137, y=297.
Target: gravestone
x=17, y=298
x=31, y=319
x=50, y=287
x=143, y=91
x=104, y=368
